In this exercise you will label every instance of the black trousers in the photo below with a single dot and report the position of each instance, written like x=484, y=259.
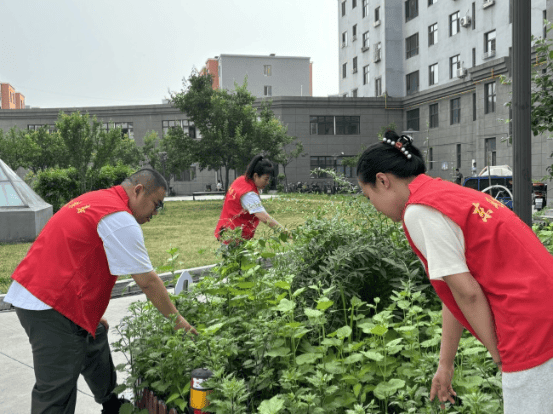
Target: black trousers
x=62, y=351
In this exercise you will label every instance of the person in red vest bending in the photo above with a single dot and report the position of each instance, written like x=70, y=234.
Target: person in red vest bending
x=242, y=206
x=62, y=288
x=491, y=272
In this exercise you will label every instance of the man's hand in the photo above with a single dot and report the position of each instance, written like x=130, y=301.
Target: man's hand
x=441, y=385
x=105, y=323
x=183, y=324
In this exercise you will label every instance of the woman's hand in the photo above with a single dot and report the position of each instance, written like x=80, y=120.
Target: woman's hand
x=441, y=386
x=183, y=324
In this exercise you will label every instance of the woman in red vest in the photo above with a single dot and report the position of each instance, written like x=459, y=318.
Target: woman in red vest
x=491, y=272
x=243, y=206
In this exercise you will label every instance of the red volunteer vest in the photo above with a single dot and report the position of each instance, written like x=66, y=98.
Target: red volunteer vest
x=233, y=215
x=508, y=261
x=66, y=267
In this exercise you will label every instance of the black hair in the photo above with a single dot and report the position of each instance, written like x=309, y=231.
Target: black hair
x=260, y=166
x=149, y=178
x=385, y=158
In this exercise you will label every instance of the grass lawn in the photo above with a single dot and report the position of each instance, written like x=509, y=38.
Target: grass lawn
x=188, y=225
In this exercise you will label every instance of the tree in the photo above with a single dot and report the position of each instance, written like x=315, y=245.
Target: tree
x=286, y=157
x=13, y=147
x=45, y=150
x=232, y=130
x=151, y=150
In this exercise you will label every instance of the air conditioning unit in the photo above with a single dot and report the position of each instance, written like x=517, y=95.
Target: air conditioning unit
x=488, y=3
x=461, y=72
x=489, y=54
x=377, y=55
x=376, y=23
x=465, y=21
x=365, y=48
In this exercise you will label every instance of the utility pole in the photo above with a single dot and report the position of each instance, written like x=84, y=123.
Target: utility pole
x=521, y=109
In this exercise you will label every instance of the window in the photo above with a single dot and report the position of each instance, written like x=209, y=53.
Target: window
x=377, y=13
x=412, y=82
x=344, y=70
x=413, y=119
x=433, y=34
x=433, y=74
x=431, y=2
x=331, y=163
x=354, y=4
x=322, y=125
x=365, y=8
x=355, y=65
x=473, y=15
x=412, y=45
x=50, y=128
x=325, y=125
x=410, y=7
x=366, y=74
x=377, y=52
x=355, y=93
x=347, y=125
x=366, y=40
x=475, y=107
x=344, y=39
x=430, y=158
x=473, y=58
x=267, y=91
x=267, y=70
x=184, y=124
x=345, y=95
x=378, y=87
x=490, y=41
x=454, y=65
x=354, y=32
x=126, y=129
x=434, y=115
x=458, y=155
x=343, y=8
x=455, y=111
x=454, y=23
x=188, y=174
x=490, y=97
x=490, y=151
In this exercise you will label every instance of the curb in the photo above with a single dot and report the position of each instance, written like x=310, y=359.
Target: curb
x=122, y=287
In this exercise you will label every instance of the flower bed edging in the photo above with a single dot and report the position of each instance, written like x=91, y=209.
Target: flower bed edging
x=154, y=405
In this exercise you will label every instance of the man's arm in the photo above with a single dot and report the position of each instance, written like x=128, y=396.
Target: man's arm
x=155, y=290
x=474, y=305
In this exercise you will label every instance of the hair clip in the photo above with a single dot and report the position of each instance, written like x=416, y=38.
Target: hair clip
x=402, y=143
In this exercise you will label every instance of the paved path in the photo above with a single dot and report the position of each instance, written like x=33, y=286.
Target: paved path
x=16, y=362
x=211, y=197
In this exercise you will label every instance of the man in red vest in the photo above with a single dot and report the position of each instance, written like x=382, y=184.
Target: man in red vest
x=62, y=288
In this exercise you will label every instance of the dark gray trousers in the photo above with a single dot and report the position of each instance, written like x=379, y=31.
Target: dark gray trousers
x=62, y=351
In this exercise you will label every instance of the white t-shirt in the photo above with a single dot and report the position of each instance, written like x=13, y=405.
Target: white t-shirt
x=125, y=250
x=438, y=238
x=252, y=203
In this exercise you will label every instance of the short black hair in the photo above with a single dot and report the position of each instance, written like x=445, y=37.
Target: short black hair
x=149, y=178
x=260, y=166
x=386, y=158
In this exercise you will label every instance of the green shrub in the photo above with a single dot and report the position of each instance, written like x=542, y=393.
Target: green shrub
x=57, y=186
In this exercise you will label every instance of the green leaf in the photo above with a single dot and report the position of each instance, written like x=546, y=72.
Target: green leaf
x=344, y=332
x=126, y=408
x=310, y=313
x=119, y=389
x=331, y=341
x=470, y=382
x=379, y=330
x=357, y=388
x=278, y=352
x=324, y=303
x=172, y=397
x=474, y=350
x=273, y=406
x=308, y=358
x=282, y=284
x=285, y=305
x=384, y=390
x=214, y=328
x=351, y=359
x=267, y=255
x=246, y=285
x=374, y=355
x=298, y=292
x=180, y=403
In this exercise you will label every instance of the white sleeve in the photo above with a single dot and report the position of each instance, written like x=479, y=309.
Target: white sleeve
x=438, y=238
x=124, y=244
x=252, y=203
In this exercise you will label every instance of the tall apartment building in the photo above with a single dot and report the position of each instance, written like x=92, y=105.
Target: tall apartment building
x=10, y=99
x=267, y=76
x=443, y=59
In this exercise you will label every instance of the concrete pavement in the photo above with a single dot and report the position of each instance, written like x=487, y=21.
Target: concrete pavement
x=16, y=361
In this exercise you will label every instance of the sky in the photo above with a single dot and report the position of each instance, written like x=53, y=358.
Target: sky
x=68, y=53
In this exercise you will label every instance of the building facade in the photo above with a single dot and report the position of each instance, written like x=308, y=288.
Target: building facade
x=442, y=58
x=267, y=76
